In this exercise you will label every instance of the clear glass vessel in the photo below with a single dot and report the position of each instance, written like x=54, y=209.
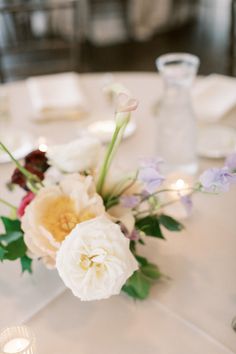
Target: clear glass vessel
x=176, y=131
x=18, y=339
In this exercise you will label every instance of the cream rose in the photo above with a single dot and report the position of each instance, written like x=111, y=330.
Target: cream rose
x=94, y=261
x=55, y=211
x=77, y=156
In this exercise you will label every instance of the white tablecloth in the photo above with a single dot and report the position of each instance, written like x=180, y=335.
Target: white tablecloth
x=190, y=313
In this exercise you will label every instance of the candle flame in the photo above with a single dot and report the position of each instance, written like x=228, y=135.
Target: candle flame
x=180, y=184
x=43, y=147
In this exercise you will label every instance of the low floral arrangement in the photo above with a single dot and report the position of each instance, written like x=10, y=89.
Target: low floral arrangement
x=78, y=219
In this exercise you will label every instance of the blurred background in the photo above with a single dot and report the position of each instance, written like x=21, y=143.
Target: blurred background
x=48, y=36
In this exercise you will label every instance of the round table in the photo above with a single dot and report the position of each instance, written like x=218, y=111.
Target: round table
x=188, y=312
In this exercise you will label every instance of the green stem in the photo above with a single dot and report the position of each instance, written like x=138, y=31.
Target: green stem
x=165, y=190
x=105, y=164
x=112, y=148
x=133, y=180
x=161, y=206
x=31, y=178
x=8, y=204
x=175, y=200
x=25, y=172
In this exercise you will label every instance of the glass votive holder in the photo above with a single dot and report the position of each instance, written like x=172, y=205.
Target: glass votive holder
x=18, y=339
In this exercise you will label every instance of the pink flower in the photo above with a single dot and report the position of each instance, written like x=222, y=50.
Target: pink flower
x=24, y=203
x=125, y=103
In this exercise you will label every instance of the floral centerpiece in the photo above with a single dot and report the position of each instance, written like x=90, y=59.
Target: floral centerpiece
x=74, y=217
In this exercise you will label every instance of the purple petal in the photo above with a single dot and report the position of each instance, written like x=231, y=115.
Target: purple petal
x=129, y=201
x=152, y=162
x=216, y=180
x=187, y=203
x=152, y=186
x=151, y=178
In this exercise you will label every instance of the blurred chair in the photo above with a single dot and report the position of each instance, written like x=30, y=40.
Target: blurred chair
x=31, y=39
x=107, y=21
x=114, y=21
x=148, y=17
x=233, y=39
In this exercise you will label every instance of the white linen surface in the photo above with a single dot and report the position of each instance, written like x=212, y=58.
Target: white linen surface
x=57, y=96
x=213, y=97
x=24, y=295
x=194, y=308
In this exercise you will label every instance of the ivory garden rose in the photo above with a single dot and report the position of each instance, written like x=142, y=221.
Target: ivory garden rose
x=95, y=261
x=55, y=211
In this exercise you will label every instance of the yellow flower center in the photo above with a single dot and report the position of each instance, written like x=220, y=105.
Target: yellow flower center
x=96, y=261
x=60, y=217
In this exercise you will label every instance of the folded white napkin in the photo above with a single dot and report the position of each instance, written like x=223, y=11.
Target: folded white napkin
x=56, y=96
x=214, y=96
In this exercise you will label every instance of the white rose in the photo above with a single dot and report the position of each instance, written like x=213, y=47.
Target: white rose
x=77, y=156
x=55, y=211
x=95, y=261
x=52, y=176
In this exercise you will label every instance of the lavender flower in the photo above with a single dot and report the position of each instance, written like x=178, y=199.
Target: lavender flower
x=129, y=201
x=231, y=162
x=216, y=180
x=150, y=174
x=151, y=178
x=152, y=162
x=187, y=203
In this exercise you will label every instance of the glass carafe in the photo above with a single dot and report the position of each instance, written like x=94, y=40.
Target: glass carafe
x=176, y=129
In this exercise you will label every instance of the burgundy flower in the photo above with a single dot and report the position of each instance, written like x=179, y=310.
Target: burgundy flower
x=37, y=159
x=18, y=178
x=36, y=163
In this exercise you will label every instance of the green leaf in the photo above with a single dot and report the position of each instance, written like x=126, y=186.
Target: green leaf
x=11, y=236
x=137, y=286
x=15, y=249
x=3, y=252
x=141, y=260
x=150, y=226
x=110, y=201
x=11, y=224
x=169, y=223
x=151, y=271
x=26, y=264
x=132, y=246
x=128, y=289
x=141, y=242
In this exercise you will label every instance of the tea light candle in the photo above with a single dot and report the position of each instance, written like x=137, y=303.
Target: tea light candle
x=16, y=345
x=18, y=340
x=180, y=186
x=104, y=129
